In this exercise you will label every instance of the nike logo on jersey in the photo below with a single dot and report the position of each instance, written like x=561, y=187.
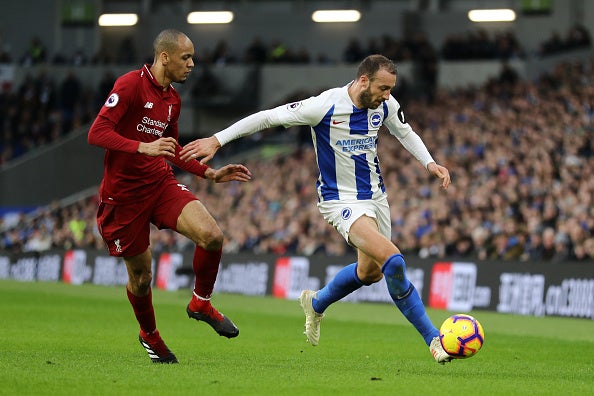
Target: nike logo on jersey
x=334, y=122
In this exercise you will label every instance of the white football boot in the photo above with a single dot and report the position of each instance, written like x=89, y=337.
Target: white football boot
x=438, y=352
x=312, y=318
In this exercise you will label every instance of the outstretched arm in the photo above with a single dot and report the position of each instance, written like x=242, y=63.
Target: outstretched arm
x=207, y=147
x=204, y=148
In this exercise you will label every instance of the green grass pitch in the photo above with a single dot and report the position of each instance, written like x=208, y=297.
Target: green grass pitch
x=59, y=339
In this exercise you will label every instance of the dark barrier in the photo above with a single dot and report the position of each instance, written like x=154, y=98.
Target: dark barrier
x=538, y=289
x=51, y=173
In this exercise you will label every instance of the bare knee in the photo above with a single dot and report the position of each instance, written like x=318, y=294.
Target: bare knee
x=145, y=281
x=140, y=275
x=370, y=276
x=197, y=224
x=139, y=281
x=211, y=240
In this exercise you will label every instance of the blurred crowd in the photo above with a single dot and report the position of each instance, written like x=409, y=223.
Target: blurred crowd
x=41, y=110
x=577, y=37
x=521, y=156
x=478, y=43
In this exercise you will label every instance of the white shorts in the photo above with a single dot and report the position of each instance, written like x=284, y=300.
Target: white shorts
x=342, y=214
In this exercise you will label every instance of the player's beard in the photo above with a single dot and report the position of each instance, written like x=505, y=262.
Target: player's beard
x=366, y=100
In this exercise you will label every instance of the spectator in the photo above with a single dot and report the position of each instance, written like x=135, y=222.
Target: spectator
x=354, y=52
x=103, y=89
x=5, y=56
x=70, y=96
x=548, y=244
x=222, y=54
x=126, y=53
x=207, y=89
x=35, y=54
x=256, y=52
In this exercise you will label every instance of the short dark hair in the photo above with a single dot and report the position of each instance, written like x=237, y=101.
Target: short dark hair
x=166, y=41
x=373, y=63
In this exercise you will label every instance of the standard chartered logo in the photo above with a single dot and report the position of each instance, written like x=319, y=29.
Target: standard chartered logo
x=152, y=127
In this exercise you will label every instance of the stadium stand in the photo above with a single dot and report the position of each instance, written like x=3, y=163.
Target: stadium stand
x=520, y=152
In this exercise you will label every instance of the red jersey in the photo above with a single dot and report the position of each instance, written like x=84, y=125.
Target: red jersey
x=137, y=110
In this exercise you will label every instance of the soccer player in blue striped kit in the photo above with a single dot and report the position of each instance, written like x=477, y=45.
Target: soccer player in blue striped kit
x=344, y=123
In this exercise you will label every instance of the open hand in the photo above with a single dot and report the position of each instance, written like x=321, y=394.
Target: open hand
x=200, y=148
x=229, y=173
x=440, y=172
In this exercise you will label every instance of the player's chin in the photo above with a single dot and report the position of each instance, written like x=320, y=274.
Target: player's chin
x=182, y=79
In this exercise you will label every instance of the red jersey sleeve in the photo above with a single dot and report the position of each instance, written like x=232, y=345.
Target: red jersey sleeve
x=103, y=131
x=103, y=134
x=124, y=91
x=192, y=166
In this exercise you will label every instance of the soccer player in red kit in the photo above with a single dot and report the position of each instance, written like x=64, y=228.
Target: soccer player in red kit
x=138, y=127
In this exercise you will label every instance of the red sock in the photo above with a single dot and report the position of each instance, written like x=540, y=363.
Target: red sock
x=144, y=311
x=206, y=267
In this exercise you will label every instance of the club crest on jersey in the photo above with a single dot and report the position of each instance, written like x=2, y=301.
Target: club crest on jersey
x=375, y=119
x=346, y=213
x=112, y=100
x=293, y=106
x=118, y=246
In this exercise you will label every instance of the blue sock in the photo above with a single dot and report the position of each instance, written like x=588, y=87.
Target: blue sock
x=406, y=297
x=345, y=282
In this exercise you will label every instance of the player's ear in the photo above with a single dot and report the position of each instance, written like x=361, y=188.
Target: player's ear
x=164, y=57
x=364, y=81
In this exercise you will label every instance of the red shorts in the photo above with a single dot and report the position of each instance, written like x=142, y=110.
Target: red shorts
x=125, y=228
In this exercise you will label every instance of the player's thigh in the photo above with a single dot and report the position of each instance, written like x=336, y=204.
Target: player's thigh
x=173, y=199
x=125, y=229
x=365, y=236
x=196, y=223
x=372, y=235
x=181, y=211
x=140, y=263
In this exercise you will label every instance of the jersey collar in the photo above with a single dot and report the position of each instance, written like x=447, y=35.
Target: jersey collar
x=147, y=70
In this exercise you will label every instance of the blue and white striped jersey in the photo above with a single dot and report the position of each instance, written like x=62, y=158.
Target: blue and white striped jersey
x=345, y=140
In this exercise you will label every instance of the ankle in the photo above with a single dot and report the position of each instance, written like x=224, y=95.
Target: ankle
x=150, y=335
x=199, y=304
